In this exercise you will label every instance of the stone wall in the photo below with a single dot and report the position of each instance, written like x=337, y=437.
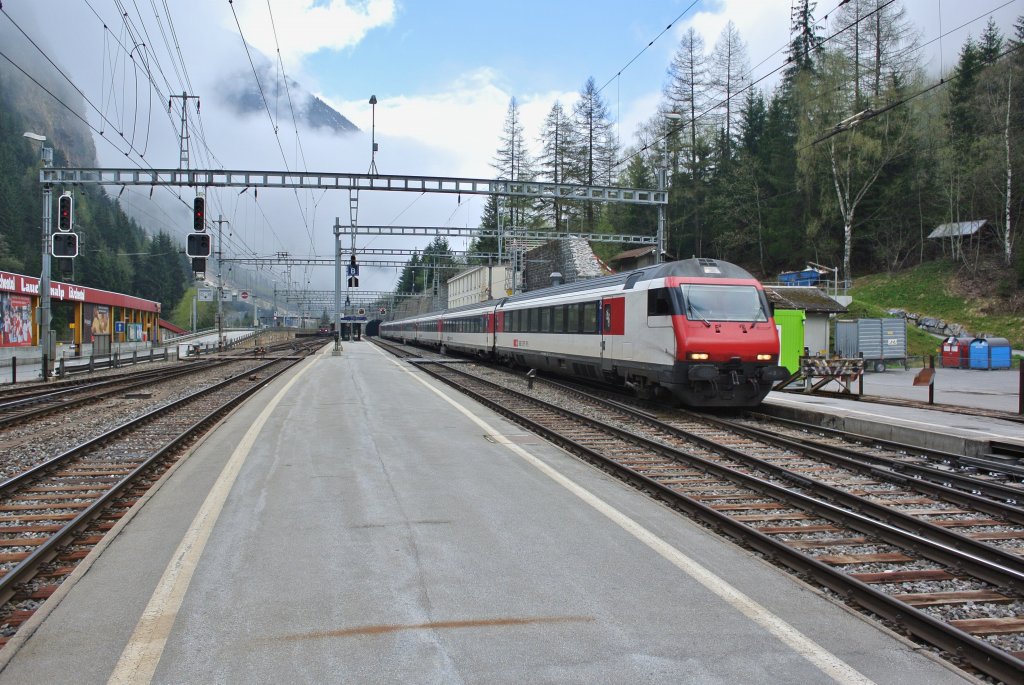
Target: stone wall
x=934, y=326
x=570, y=257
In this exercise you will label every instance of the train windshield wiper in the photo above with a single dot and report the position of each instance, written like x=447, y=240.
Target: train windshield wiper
x=690, y=308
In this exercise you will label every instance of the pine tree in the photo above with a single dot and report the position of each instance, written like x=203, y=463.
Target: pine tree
x=558, y=162
x=512, y=163
x=598, y=148
x=805, y=41
x=729, y=75
x=688, y=89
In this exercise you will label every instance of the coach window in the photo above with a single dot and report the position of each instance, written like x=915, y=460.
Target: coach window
x=534, y=320
x=658, y=302
x=589, y=318
x=545, y=320
x=558, y=319
x=606, y=321
x=573, y=318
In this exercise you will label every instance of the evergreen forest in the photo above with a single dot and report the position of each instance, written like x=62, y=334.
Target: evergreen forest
x=850, y=161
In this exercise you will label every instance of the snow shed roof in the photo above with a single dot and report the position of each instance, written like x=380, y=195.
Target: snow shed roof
x=959, y=228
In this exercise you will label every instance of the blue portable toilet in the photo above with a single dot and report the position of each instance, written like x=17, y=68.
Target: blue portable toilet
x=999, y=353
x=978, y=358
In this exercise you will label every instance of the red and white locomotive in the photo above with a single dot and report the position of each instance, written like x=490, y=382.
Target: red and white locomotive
x=700, y=329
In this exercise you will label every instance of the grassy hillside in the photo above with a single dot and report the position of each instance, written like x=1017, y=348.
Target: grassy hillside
x=979, y=301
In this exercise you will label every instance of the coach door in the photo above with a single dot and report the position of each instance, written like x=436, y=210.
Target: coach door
x=614, y=346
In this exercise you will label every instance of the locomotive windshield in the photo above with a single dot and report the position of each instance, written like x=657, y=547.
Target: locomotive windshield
x=723, y=303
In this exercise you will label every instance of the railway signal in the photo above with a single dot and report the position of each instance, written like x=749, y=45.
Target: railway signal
x=353, y=273
x=64, y=245
x=65, y=212
x=198, y=245
x=199, y=214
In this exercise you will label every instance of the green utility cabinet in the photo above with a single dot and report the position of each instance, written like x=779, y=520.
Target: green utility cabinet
x=790, y=324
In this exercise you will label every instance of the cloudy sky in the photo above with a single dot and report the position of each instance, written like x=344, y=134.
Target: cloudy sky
x=442, y=71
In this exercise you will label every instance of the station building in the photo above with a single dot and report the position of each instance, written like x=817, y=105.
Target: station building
x=96, y=318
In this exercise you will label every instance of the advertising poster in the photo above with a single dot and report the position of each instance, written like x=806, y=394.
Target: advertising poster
x=16, y=328
x=100, y=321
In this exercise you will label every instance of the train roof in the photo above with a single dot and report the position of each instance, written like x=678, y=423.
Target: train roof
x=698, y=267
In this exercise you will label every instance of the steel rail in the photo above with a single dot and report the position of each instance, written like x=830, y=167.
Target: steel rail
x=924, y=472
x=922, y=478
x=115, y=386
x=44, y=552
x=880, y=511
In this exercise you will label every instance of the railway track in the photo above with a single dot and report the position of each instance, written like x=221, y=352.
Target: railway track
x=857, y=531
x=53, y=514
x=23, y=405
x=995, y=476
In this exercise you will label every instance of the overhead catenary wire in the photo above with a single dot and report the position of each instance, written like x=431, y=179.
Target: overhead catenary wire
x=270, y=115
x=176, y=55
x=59, y=100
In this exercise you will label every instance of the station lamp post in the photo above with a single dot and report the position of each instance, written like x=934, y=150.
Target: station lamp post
x=46, y=155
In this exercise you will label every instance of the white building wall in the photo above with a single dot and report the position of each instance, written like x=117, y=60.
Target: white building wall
x=816, y=338
x=471, y=286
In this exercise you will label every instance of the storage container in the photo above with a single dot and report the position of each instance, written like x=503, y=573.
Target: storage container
x=990, y=353
x=877, y=340
x=955, y=352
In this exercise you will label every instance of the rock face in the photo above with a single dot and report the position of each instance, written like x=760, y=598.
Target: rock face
x=933, y=325
x=571, y=257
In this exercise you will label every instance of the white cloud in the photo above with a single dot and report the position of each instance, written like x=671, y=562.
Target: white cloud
x=304, y=27
x=457, y=130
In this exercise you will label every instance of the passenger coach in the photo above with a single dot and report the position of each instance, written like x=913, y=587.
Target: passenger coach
x=700, y=329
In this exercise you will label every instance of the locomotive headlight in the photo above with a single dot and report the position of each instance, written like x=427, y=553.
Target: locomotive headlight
x=698, y=356
x=764, y=357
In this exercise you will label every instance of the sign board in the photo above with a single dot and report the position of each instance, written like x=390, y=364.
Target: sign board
x=119, y=326
x=227, y=296
x=925, y=376
x=244, y=294
x=206, y=294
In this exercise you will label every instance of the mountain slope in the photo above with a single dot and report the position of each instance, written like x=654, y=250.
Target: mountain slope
x=243, y=95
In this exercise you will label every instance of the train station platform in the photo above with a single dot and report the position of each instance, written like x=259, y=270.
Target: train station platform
x=940, y=427
x=356, y=522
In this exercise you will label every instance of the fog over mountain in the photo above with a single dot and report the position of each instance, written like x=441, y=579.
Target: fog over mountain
x=240, y=92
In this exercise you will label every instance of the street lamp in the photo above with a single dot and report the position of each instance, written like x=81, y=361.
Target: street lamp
x=373, y=135
x=46, y=155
